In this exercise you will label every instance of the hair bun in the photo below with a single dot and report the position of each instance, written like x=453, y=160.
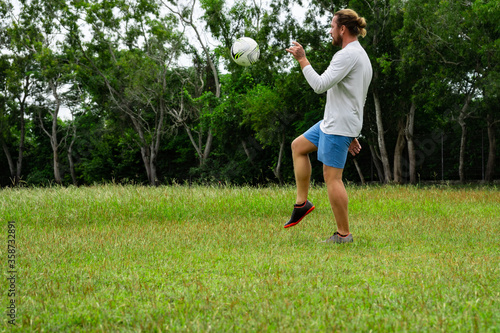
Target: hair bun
x=361, y=22
x=352, y=21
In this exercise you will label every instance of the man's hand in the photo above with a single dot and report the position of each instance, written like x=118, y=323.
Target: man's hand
x=355, y=147
x=299, y=54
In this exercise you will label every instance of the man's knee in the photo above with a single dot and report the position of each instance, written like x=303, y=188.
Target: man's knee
x=331, y=174
x=295, y=145
x=302, y=146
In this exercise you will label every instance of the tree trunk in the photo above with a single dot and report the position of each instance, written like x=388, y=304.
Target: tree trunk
x=490, y=165
x=208, y=146
x=55, y=153
x=9, y=159
x=410, y=124
x=154, y=178
x=146, y=159
x=20, y=155
x=461, y=171
x=152, y=166
x=247, y=152
x=72, y=164
x=54, y=142
x=360, y=173
x=197, y=146
x=381, y=141
x=378, y=165
x=378, y=10
x=147, y=151
x=277, y=169
x=463, y=138
x=191, y=22
x=398, y=154
x=57, y=172
x=22, y=130
x=155, y=145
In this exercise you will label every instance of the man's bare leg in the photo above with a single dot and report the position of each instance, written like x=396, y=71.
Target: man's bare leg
x=301, y=148
x=337, y=195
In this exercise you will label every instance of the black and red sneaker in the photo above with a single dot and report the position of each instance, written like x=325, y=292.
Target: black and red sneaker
x=299, y=212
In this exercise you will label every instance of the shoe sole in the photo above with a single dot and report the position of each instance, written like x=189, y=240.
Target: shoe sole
x=292, y=224
x=332, y=242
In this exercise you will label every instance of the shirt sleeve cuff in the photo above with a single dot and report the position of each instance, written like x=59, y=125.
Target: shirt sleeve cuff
x=308, y=66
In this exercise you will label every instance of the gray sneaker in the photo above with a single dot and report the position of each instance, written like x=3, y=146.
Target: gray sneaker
x=336, y=238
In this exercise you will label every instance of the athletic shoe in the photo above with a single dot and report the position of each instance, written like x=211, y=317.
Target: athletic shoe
x=336, y=238
x=299, y=212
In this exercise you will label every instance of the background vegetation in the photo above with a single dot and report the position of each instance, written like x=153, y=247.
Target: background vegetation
x=154, y=98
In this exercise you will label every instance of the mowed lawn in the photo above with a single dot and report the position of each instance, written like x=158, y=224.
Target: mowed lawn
x=217, y=259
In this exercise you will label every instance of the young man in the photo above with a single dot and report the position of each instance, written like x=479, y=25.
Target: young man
x=346, y=83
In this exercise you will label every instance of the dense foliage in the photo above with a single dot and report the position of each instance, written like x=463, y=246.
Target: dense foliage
x=152, y=95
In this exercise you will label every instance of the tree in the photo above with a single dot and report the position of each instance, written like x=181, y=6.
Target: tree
x=36, y=32
x=413, y=70
x=55, y=74
x=185, y=14
x=25, y=42
x=5, y=121
x=139, y=115
x=134, y=68
x=379, y=47
x=188, y=105
x=77, y=103
x=265, y=110
x=460, y=66
x=266, y=113
x=485, y=36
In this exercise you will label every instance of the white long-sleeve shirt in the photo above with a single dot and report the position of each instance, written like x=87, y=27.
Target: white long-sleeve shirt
x=346, y=82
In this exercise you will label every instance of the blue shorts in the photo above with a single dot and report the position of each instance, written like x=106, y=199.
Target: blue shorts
x=332, y=149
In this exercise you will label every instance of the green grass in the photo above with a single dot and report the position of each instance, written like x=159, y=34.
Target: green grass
x=131, y=258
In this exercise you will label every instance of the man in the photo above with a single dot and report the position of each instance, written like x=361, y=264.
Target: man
x=346, y=83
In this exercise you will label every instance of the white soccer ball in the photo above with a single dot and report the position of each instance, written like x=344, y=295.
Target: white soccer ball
x=245, y=51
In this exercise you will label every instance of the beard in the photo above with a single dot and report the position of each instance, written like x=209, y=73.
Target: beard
x=337, y=41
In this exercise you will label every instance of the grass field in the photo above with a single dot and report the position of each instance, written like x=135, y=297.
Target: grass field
x=197, y=259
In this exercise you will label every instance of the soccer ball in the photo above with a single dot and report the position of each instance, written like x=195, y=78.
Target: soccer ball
x=245, y=51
